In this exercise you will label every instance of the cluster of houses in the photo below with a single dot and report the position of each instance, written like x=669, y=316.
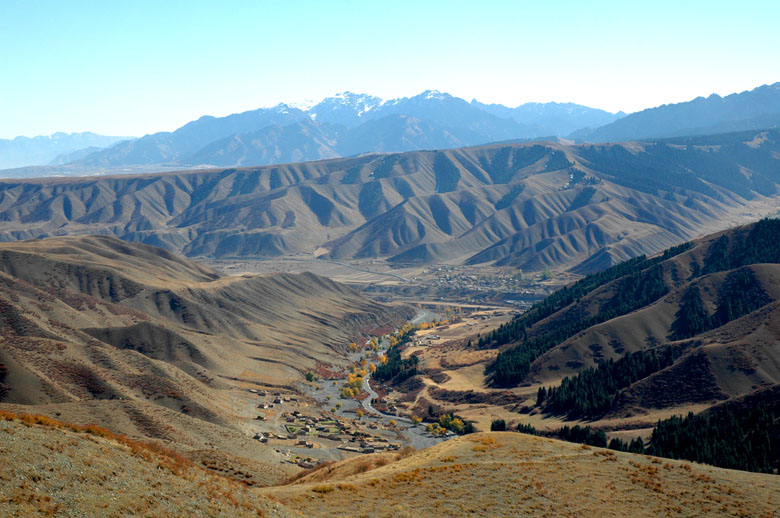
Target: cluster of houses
x=368, y=444
x=303, y=462
x=278, y=399
x=298, y=424
x=301, y=428
x=426, y=339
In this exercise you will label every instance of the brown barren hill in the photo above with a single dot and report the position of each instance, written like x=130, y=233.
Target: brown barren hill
x=529, y=205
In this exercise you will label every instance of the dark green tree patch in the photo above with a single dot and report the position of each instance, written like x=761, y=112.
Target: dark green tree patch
x=447, y=174
x=370, y=199
x=761, y=244
x=691, y=317
x=509, y=198
x=583, y=198
x=385, y=166
x=594, y=391
x=498, y=425
x=746, y=439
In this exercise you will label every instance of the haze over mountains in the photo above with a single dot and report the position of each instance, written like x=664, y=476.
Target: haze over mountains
x=56, y=149
x=344, y=125
x=94, y=329
x=351, y=124
x=532, y=206
x=754, y=109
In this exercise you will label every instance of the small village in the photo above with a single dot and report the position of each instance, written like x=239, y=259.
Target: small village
x=307, y=436
x=499, y=281
x=335, y=414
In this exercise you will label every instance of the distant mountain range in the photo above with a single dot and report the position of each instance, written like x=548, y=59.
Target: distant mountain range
x=350, y=124
x=343, y=125
x=55, y=149
x=755, y=109
x=528, y=205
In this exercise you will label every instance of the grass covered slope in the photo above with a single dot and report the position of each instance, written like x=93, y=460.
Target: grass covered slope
x=692, y=332
x=54, y=469
x=57, y=469
x=511, y=474
x=717, y=292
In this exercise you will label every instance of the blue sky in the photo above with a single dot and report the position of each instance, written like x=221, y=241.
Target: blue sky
x=137, y=67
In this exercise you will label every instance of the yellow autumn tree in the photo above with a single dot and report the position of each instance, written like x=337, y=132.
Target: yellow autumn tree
x=355, y=381
x=456, y=425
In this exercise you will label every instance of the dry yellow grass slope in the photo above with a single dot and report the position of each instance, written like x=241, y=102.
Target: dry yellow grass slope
x=56, y=469
x=511, y=474
x=53, y=469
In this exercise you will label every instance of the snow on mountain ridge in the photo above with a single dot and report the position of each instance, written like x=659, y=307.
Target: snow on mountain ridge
x=359, y=102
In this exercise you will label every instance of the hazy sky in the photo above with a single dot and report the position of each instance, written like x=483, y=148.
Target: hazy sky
x=136, y=67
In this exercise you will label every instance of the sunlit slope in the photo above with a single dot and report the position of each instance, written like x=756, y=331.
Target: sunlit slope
x=714, y=305
x=511, y=474
x=53, y=469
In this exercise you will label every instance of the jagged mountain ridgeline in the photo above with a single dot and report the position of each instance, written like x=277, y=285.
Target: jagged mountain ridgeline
x=95, y=329
x=757, y=108
x=349, y=124
x=343, y=125
x=533, y=205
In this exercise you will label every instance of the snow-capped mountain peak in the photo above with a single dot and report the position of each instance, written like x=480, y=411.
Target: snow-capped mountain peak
x=305, y=105
x=434, y=94
x=346, y=108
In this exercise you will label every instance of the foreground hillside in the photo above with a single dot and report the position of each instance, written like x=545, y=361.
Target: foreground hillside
x=512, y=474
x=531, y=206
x=55, y=469
x=52, y=469
x=147, y=343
